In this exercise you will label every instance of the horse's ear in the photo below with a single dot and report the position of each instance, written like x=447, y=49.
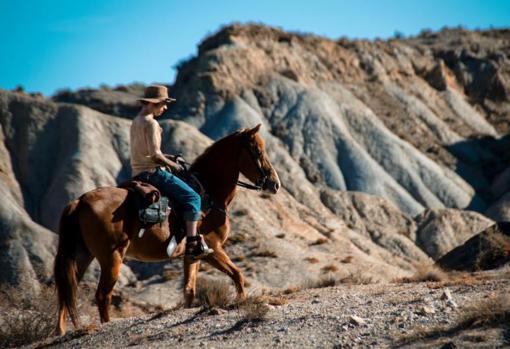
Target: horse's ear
x=254, y=130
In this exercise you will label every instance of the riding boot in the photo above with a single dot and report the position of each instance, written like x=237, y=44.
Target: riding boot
x=196, y=248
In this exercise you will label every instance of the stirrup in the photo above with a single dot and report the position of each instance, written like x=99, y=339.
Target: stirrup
x=196, y=248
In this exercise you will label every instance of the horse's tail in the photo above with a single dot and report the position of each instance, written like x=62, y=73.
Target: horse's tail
x=65, y=271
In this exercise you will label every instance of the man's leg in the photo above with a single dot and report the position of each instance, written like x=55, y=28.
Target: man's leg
x=190, y=203
x=191, y=228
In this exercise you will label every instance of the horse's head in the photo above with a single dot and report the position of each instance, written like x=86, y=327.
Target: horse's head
x=254, y=162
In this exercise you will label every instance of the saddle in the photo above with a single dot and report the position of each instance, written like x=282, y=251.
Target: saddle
x=152, y=207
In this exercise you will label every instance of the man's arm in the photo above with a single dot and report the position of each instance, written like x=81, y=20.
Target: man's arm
x=162, y=159
x=154, y=144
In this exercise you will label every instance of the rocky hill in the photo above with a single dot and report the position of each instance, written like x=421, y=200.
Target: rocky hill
x=391, y=154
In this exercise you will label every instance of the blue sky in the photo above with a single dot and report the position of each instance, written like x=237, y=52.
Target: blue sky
x=47, y=45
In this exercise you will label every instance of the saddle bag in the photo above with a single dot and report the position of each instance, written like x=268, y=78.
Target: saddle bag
x=156, y=212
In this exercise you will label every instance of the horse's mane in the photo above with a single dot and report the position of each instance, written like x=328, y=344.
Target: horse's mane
x=217, y=145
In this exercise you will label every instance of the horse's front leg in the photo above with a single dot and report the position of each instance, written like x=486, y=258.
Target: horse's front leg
x=190, y=281
x=221, y=261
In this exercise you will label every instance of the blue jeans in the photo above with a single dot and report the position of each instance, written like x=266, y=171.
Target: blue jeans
x=188, y=201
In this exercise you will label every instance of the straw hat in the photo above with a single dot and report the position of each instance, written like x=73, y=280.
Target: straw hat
x=156, y=94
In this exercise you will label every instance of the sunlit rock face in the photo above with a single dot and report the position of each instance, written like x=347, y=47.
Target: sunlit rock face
x=380, y=147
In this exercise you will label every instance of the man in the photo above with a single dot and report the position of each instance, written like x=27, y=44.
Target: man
x=148, y=162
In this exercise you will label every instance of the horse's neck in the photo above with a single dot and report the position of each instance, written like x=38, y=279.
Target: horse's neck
x=218, y=171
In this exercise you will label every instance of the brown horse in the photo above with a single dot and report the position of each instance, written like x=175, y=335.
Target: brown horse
x=103, y=224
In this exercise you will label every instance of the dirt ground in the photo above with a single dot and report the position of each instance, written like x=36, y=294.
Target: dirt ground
x=466, y=310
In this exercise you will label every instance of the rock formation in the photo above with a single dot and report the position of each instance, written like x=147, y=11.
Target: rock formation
x=380, y=146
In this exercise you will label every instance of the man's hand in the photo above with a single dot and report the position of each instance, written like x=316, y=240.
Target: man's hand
x=165, y=161
x=175, y=167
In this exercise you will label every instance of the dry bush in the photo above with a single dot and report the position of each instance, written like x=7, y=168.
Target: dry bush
x=356, y=279
x=255, y=308
x=264, y=253
x=292, y=289
x=319, y=241
x=492, y=312
x=238, y=258
x=214, y=292
x=312, y=260
x=25, y=318
x=206, y=268
x=240, y=212
x=490, y=258
x=236, y=239
x=425, y=272
x=254, y=311
x=330, y=268
x=169, y=274
x=321, y=282
x=272, y=299
x=347, y=259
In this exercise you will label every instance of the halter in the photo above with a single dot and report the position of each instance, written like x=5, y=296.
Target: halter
x=259, y=184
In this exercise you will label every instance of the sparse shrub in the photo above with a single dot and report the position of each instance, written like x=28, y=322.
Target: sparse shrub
x=169, y=274
x=319, y=241
x=426, y=272
x=25, y=319
x=239, y=258
x=213, y=292
x=264, y=253
x=255, y=308
x=494, y=310
x=490, y=258
x=292, y=289
x=207, y=268
x=236, y=239
x=356, y=279
x=272, y=299
x=312, y=260
x=241, y=212
x=254, y=311
x=426, y=32
x=321, y=282
x=347, y=259
x=330, y=268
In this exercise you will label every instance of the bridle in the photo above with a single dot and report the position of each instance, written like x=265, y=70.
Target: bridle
x=256, y=156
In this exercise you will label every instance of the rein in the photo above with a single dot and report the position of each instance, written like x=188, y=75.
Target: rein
x=249, y=186
x=256, y=158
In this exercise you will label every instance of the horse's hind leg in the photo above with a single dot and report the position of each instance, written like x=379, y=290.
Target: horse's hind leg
x=110, y=270
x=222, y=262
x=190, y=281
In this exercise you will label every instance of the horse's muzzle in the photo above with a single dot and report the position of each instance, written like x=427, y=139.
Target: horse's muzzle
x=272, y=186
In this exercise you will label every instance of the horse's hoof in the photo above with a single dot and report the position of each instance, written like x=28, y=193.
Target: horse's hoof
x=241, y=297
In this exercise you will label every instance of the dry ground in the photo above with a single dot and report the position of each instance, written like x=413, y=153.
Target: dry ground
x=466, y=310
